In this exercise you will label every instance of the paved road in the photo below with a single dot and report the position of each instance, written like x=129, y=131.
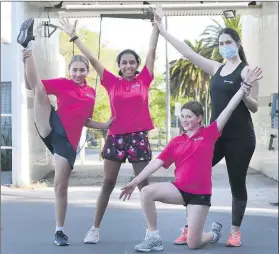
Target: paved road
x=27, y=221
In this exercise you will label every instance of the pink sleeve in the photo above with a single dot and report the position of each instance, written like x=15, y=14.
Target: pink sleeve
x=144, y=77
x=108, y=79
x=167, y=155
x=92, y=109
x=54, y=86
x=213, y=131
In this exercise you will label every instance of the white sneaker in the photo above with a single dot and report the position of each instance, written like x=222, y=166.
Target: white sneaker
x=92, y=236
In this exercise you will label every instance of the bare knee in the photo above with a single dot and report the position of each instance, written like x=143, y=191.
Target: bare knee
x=108, y=186
x=146, y=193
x=61, y=188
x=193, y=244
x=194, y=240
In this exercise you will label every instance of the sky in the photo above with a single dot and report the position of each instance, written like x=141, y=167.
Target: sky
x=135, y=34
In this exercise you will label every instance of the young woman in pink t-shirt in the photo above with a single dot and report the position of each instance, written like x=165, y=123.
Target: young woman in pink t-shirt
x=60, y=130
x=192, y=153
x=127, y=136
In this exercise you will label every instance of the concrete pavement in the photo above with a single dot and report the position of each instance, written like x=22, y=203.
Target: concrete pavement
x=27, y=220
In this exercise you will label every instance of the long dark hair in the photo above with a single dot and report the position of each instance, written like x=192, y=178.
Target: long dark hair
x=127, y=51
x=237, y=39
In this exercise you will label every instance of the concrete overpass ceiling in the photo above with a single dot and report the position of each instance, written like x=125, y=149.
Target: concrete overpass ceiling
x=85, y=9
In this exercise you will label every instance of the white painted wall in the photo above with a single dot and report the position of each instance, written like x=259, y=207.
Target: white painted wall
x=260, y=42
x=31, y=162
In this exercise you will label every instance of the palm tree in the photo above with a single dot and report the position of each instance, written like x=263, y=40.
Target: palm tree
x=189, y=81
x=186, y=79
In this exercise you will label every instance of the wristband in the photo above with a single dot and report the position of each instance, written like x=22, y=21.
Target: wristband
x=245, y=83
x=74, y=38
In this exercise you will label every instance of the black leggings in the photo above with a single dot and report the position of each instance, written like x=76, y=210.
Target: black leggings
x=238, y=154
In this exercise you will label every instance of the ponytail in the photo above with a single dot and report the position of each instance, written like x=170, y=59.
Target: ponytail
x=242, y=55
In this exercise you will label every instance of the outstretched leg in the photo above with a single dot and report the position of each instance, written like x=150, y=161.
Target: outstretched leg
x=111, y=170
x=42, y=110
x=42, y=107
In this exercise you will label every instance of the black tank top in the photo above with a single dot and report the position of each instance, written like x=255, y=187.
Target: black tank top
x=222, y=89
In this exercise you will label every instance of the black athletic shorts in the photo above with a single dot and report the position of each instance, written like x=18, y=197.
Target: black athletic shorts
x=57, y=140
x=132, y=146
x=195, y=199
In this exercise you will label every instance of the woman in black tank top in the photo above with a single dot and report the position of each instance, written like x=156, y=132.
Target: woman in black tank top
x=237, y=143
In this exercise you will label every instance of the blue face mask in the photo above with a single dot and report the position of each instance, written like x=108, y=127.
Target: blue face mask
x=228, y=52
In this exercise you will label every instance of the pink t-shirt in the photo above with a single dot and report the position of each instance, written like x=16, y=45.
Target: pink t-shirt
x=129, y=102
x=193, y=159
x=75, y=105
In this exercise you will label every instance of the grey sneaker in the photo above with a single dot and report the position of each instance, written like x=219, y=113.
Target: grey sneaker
x=61, y=239
x=26, y=33
x=150, y=243
x=216, y=229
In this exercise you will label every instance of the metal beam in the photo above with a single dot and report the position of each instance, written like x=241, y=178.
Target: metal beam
x=148, y=16
x=173, y=7
x=167, y=80
x=186, y=9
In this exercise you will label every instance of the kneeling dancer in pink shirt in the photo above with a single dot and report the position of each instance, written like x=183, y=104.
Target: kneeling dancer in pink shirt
x=192, y=154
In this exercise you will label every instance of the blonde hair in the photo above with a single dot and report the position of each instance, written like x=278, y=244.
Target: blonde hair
x=79, y=58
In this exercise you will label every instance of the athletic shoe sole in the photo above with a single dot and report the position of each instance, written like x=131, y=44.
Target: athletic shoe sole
x=230, y=245
x=181, y=243
x=159, y=248
x=22, y=36
x=90, y=242
x=59, y=244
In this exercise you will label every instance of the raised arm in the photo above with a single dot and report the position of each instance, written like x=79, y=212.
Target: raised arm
x=252, y=77
x=71, y=31
x=207, y=65
x=151, y=55
x=251, y=101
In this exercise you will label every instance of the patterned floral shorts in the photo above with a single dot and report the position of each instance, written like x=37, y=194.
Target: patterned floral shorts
x=134, y=146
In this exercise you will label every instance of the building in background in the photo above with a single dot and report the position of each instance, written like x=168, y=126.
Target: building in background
x=24, y=156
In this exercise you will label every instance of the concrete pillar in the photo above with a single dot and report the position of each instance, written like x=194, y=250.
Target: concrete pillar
x=20, y=161
x=260, y=42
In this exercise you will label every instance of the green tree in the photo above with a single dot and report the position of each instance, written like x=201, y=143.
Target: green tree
x=186, y=79
x=107, y=55
x=157, y=102
x=189, y=81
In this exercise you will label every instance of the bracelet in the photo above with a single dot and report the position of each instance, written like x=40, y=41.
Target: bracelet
x=245, y=83
x=74, y=38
